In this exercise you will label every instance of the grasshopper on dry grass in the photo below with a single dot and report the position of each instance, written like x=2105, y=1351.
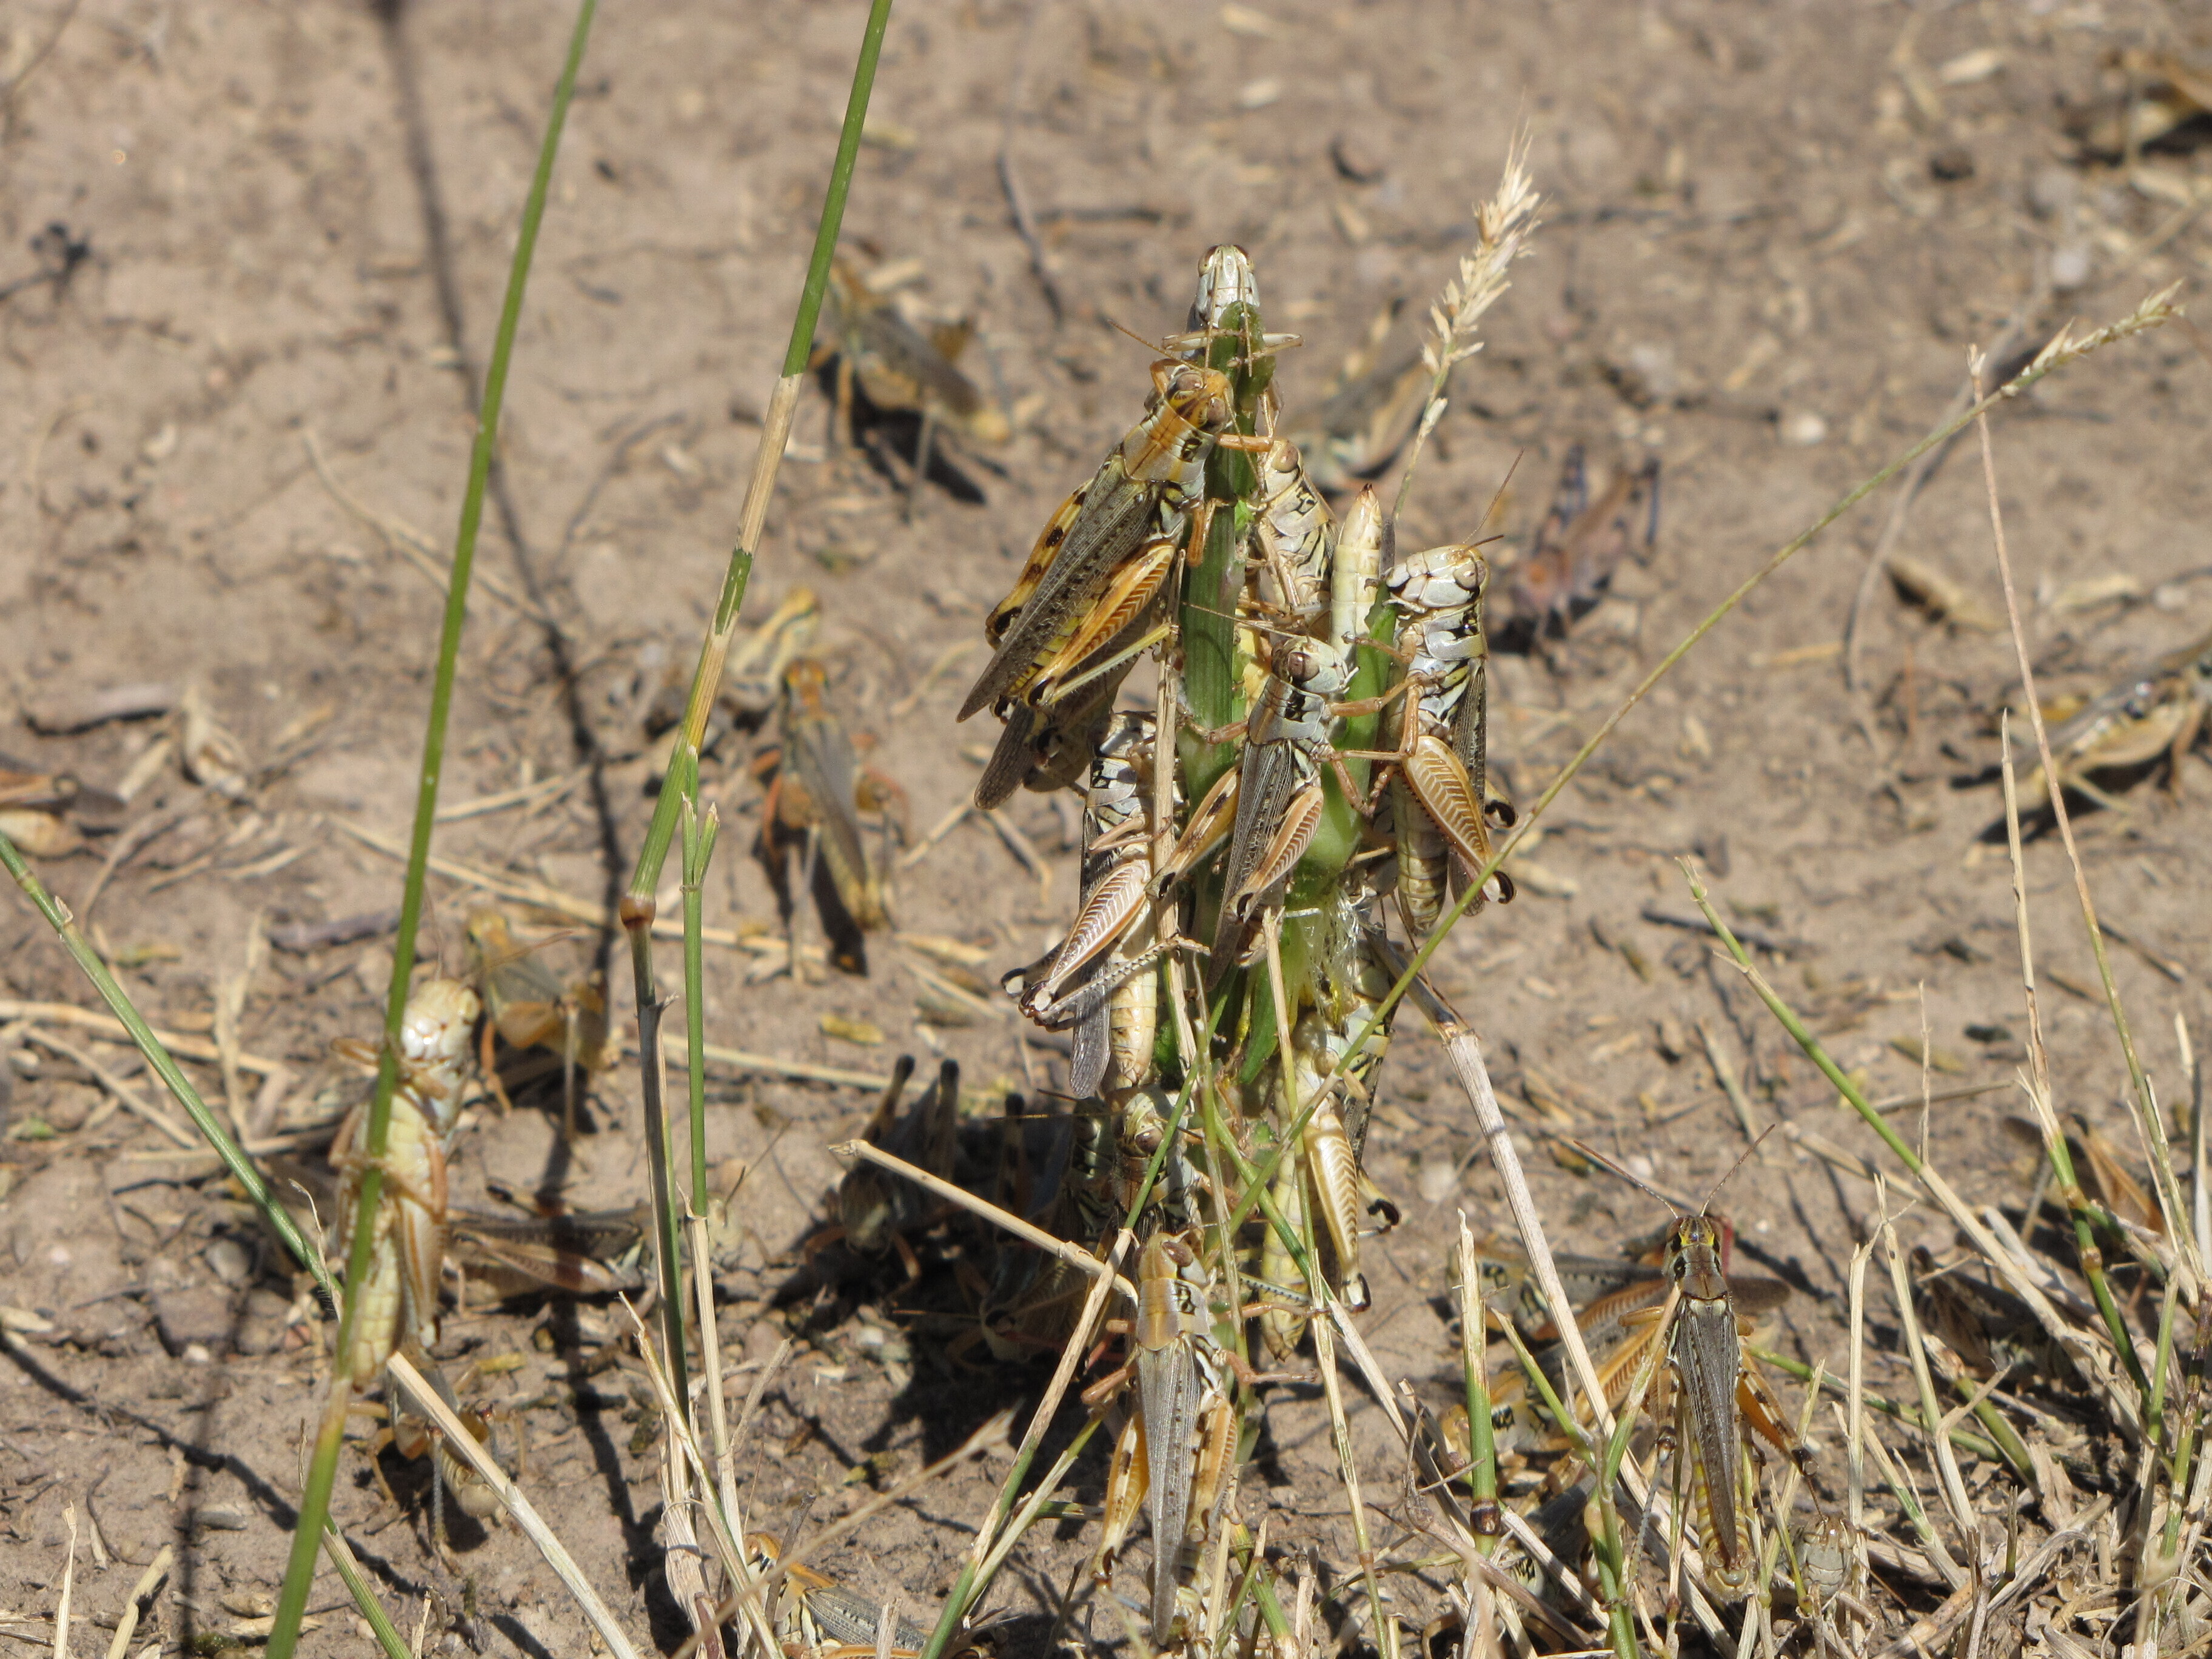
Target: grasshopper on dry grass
x=2150, y=716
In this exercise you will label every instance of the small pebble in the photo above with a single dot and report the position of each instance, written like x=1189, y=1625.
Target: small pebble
x=1803, y=429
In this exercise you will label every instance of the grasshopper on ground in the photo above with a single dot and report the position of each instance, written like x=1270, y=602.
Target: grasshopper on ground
x=399, y=1296
x=900, y=370
x=1358, y=428
x=1579, y=545
x=820, y=1618
x=877, y=1209
x=2152, y=715
x=1095, y=981
x=1442, y=806
x=577, y=1253
x=528, y=1007
x=817, y=796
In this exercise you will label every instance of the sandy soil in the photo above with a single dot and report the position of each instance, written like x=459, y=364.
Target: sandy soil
x=251, y=258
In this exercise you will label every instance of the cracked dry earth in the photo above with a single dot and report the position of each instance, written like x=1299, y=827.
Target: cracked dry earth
x=250, y=258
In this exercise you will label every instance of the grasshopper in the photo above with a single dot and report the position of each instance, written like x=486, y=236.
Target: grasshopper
x=2152, y=714
x=899, y=369
x=1709, y=1401
x=579, y=1253
x=1719, y=1401
x=1580, y=544
x=1358, y=428
x=1294, y=537
x=1441, y=803
x=399, y=1296
x=529, y=1007
x=1279, y=791
x=877, y=1209
x=1114, y=1006
x=1105, y=554
x=820, y=791
x=1174, y=1451
x=823, y=1618
x=753, y=681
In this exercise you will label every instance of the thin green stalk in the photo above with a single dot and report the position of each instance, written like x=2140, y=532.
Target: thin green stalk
x=314, y=1501
x=1475, y=1367
x=707, y=677
x=2092, y=1261
x=699, y=834
x=659, y=1154
x=2153, y=311
x=158, y=1061
x=638, y=903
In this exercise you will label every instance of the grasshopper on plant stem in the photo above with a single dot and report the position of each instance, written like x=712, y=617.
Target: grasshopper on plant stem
x=1441, y=806
x=399, y=1296
x=1093, y=980
x=1175, y=1452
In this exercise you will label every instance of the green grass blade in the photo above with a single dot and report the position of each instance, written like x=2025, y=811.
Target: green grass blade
x=314, y=1501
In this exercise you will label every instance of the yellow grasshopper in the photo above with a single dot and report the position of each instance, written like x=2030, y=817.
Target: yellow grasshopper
x=1174, y=1454
x=399, y=1296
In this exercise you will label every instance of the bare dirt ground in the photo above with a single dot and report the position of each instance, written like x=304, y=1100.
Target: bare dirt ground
x=234, y=238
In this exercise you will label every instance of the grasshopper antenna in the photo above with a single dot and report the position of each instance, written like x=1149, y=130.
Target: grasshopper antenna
x=1710, y=1191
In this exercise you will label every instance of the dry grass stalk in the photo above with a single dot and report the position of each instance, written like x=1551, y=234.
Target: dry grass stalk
x=424, y=1399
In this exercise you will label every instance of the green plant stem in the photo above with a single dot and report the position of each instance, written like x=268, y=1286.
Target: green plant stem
x=314, y=1500
x=699, y=835
x=160, y=1062
x=713, y=652
x=658, y=1154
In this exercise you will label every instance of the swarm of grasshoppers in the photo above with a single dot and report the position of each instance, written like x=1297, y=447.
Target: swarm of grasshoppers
x=1318, y=739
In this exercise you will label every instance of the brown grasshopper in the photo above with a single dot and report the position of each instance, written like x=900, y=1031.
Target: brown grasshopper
x=1579, y=545
x=1442, y=806
x=577, y=1253
x=1094, y=982
x=899, y=369
x=1357, y=430
x=877, y=1209
x=2155, y=714
x=1708, y=1401
x=529, y=1007
x=818, y=794
x=1105, y=555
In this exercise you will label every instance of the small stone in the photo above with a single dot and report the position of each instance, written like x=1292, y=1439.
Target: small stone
x=229, y=1260
x=192, y=1316
x=2069, y=266
x=196, y=1353
x=1355, y=160
x=1803, y=429
x=1951, y=165
x=220, y=1518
